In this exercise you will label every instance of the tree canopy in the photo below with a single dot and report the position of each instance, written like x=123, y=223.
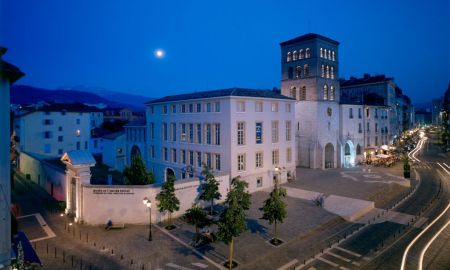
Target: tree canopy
x=210, y=187
x=137, y=174
x=167, y=200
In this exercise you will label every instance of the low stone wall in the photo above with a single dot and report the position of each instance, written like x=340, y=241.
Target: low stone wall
x=123, y=204
x=46, y=175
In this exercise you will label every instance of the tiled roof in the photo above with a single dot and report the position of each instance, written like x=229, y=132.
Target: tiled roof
x=237, y=92
x=60, y=107
x=364, y=80
x=78, y=157
x=306, y=37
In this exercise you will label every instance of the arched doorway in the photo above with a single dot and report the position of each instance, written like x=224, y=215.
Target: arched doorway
x=329, y=156
x=169, y=173
x=135, y=151
x=349, y=154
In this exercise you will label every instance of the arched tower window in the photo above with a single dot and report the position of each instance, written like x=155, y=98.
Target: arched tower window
x=325, y=92
x=301, y=55
x=303, y=93
x=298, y=72
x=321, y=52
x=332, y=92
x=328, y=72
x=308, y=53
x=305, y=70
x=294, y=56
x=332, y=56
x=329, y=54
x=288, y=57
x=294, y=92
x=323, y=71
x=332, y=72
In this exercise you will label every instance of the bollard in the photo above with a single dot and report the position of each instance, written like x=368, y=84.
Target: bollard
x=64, y=257
x=55, y=252
x=131, y=262
x=47, y=248
x=72, y=260
x=112, y=251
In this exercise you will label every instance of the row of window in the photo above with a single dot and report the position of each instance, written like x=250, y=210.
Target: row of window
x=259, y=159
x=259, y=134
x=240, y=106
x=135, y=134
x=62, y=113
x=299, y=72
x=49, y=135
x=384, y=140
x=49, y=122
x=301, y=95
x=382, y=112
x=189, y=157
x=205, y=133
x=328, y=95
x=327, y=54
x=48, y=148
x=382, y=130
x=328, y=72
x=190, y=108
x=294, y=56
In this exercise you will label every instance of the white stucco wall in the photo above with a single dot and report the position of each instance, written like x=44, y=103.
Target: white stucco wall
x=123, y=204
x=45, y=175
x=114, y=152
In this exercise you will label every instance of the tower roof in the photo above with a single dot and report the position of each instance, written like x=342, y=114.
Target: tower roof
x=307, y=37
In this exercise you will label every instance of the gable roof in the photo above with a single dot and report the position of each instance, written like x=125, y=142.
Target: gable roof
x=306, y=37
x=78, y=157
x=229, y=92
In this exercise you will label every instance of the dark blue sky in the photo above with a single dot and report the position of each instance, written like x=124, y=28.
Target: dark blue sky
x=217, y=44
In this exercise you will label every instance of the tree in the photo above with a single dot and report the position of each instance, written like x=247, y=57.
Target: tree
x=210, y=187
x=196, y=217
x=274, y=209
x=232, y=220
x=167, y=201
x=137, y=174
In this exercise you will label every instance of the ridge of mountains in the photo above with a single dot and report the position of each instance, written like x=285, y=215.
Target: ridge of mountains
x=25, y=94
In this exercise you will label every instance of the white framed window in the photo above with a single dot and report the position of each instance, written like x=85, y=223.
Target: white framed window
x=208, y=107
x=259, y=159
x=191, y=158
x=323, y=71
x=329, y=54
x=275, y=157
x=321, y=52
x=164, y=109
x=288, y=107
x=289, y=155
x=164, y=131
x=274, y=107
x=308, y=53
x=199, y=133
x=302, y=95
x=208, y=160
x=332, y=72
x=327, y=72
x=174, y=155
x=241, y=162
x=305, y=70
x=294, y=56
x=325, y=92
x=332, y=92
x=191, y=133
x=198, y=107
x=183, y=133
x=183, y=108
x=191, y=108
x=199, y=159
x=173, y=108
x=208, y=133
x=217, y=162
x=240, y=106
x=165, y=154
x=274, y=131
x=241, y=133
x=259, y=181
x=288, y=57
x=217, y=134
x=258, y=132
x=301, y=55
x=183, y=156
x=288, y=131
x=173, y=131
x=333, y=56
x=217, y=106
x=258, y=106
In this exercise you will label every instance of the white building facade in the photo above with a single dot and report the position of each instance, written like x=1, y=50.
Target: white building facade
x=236, y=132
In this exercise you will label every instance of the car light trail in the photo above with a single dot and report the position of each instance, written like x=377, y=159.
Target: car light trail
x=405, y=254
x=429, y=243
x=412, y=154
x=444, y=167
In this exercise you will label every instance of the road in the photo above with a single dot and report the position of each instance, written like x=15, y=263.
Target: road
x=382, y=245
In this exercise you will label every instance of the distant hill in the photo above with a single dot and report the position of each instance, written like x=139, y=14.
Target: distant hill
x=23, y=94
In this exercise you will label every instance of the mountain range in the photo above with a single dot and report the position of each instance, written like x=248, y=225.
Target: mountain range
x=24, y=94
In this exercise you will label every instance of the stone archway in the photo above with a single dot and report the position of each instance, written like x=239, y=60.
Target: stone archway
x=329, y=156
x=349, y=154
x=169, y=172
x=135, y=151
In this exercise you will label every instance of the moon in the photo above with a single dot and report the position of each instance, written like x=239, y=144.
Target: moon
x=159, y=53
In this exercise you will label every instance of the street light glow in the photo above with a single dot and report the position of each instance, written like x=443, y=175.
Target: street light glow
x=159, y=53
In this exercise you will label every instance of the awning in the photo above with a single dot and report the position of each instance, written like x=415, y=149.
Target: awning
x=29, y=254
x=385, y=147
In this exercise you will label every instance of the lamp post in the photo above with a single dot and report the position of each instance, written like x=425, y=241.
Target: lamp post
x=148, y=203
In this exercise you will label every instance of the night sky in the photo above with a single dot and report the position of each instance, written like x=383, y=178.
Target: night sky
x=217, y=44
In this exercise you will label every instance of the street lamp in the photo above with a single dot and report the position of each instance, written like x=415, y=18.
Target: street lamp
x=148, y=203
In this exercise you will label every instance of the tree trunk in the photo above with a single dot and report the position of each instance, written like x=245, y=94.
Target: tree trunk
x=197, y=232
x=230, y=262
x=276, y=235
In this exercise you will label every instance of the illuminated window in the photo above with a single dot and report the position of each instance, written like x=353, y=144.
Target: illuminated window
x=241, y=162
x=294, y=56
x=332, y=92
x=329, y=54
x=294, y=92
x=259, y=159
x=302, y=93
x=275, y=157
x=301, y=55
x=332, y=72
x=241, y=133
x=308, y=53
x=332, y=56
x=328, y=72
x=298, y=72
x=325, y=92
x=323, y=71
x=274, y=106
x=288, y=57
x=321, y=52
x=305, y=70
